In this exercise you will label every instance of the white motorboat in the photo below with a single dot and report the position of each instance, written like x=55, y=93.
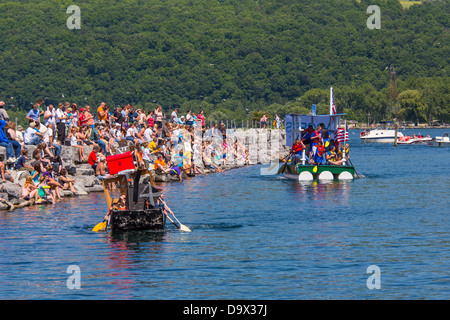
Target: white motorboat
x=380, y=135
x=441, y=141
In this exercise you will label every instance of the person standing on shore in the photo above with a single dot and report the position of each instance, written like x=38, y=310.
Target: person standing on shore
x=61, y=120
x=50, y=116
x=158, y=116
x=174, y=117
x=34, y=113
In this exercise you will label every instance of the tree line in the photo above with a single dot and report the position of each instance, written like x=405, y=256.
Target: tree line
x=231, y=58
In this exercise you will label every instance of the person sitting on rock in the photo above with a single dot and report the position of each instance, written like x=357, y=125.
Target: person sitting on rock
x=4, y=142
x=75, y=143
x=43, y=150
x=44, y=189
x=6, y=175
x=30, y=191
x=21, y=162
x=160, y=165
x=68, y=184
x=95, y=162
x=51, y=182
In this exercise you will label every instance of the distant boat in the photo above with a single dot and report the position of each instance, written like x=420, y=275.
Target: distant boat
x=441, y=141
x=413, y=140
x=379, y=135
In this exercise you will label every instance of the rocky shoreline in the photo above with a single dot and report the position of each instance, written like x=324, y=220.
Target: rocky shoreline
x=263, y=146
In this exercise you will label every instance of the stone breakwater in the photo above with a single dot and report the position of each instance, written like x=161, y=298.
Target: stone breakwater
x=263, y=146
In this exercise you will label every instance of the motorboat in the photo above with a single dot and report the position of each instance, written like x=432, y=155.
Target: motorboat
x=380, y=135
x=441, y=141
x=413, y=139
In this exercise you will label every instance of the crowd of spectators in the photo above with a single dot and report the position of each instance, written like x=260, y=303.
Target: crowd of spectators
x=169, y=145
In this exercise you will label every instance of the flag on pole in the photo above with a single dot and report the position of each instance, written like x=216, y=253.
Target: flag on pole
x=342, y=134
x=332, y=104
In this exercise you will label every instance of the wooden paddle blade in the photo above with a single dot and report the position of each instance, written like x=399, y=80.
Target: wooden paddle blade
x=281, y=170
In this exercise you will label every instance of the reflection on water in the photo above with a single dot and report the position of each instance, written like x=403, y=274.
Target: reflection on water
x=337, y=192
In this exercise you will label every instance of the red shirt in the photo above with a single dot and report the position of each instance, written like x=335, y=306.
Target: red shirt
x=202, y=118
x=92, y=158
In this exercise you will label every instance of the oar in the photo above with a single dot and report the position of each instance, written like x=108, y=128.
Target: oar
x=100, y=226
x=356, y=173
x=275, y=164
x=180, y=226
x=283, y=167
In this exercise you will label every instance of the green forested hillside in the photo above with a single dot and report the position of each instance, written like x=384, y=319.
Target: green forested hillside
x=227, y=56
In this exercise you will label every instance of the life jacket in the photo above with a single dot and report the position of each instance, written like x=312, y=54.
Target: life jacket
x=297, y=148
x=320, y=150
x=315, y=134
x=333, y=156
x=347, y=151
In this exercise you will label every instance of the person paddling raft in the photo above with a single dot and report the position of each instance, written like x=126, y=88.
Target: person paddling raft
x=297, y=149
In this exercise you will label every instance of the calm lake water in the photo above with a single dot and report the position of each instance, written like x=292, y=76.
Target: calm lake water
x=253, y=237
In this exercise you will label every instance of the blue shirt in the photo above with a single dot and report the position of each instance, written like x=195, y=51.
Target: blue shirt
x=179, y=159
x=3, y=137
x=20, y=162
x=313, y=135
x=34, y=114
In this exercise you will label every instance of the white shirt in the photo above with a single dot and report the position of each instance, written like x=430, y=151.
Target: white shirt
x=29, y=134
x=44, y=130
x=117, y=134
x=130, y=132
x=52, y=118
x=75, y=118
x=60, y=114
x=148, y=134
x=146, y=154
x=73, y=140
x=174, y=117
x=19, y=136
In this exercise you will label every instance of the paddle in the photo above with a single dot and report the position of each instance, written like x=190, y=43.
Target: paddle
x=100, y=226
x=180, y=226
x=356, y=175
x=275, y=164
x=136, y=186
x=283, y=167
